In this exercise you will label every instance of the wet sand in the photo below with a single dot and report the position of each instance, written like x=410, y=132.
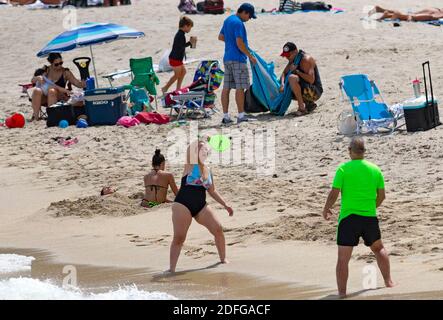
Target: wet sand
x=188, y=284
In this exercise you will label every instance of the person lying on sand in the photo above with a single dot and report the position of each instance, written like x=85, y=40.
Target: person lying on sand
x=47, y=2
x=191, y=203
x=157, y=182
x=428, y=14
x=304, y=78
x=362, y=188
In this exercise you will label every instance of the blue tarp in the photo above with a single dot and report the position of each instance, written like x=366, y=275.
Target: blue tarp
x=266, y=85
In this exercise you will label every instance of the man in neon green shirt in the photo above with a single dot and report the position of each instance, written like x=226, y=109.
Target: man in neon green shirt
x=362, y=188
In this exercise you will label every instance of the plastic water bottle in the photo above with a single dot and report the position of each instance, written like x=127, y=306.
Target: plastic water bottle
x=90, y=83
x=416, y=86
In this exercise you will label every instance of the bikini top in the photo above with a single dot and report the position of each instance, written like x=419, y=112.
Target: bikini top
x=194, y=178
x=155, y=187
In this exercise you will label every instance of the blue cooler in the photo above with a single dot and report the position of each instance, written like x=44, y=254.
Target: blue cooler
x=105, y=106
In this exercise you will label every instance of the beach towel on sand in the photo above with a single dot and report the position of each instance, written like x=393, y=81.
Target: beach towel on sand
x=431, y=22
x=152, y=117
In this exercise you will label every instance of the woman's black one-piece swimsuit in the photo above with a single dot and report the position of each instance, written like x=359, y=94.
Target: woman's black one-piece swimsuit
x=192, y=197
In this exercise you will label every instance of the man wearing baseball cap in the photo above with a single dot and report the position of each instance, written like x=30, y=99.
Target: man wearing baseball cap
x=233, y=34
x=304, y=78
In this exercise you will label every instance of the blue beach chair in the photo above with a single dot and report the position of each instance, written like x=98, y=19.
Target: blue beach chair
x=138, y=99
x=370, y=111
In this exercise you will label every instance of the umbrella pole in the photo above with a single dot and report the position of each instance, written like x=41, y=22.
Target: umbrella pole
x=93, y=64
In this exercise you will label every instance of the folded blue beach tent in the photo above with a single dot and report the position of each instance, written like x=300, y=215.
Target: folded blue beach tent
x=266, y=87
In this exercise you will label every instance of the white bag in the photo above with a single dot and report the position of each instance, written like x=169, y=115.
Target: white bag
x=163, y=65
x=346, y=123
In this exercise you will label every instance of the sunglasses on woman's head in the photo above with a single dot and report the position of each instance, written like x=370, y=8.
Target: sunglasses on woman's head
x=58, y=64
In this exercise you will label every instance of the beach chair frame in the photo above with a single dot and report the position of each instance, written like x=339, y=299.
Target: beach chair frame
x=191, y=102
x=368, y=124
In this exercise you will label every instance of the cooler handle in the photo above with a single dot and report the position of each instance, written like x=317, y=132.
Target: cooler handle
x=430, y=82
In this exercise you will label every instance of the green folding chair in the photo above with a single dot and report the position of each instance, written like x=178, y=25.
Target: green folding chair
x=143, y=75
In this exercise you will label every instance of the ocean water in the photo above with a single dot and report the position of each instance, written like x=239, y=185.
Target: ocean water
x=27, y=288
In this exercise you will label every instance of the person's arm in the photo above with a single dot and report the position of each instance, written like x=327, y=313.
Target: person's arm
x=332, y=198
x=172, y=184
x=217, y=197
x=62, y=90
x=221, y=35
x=381, y=196
x=242, y=47
x=72, y=79
x=309, y=77
x=283, y=76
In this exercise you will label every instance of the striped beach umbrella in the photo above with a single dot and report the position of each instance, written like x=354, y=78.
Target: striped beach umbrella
x=87, y=35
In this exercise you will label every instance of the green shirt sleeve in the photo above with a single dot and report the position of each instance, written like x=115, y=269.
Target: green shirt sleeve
x=338, y=180
x=381, y=181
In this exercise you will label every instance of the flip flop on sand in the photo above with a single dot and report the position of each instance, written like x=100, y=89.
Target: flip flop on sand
x=311, y=107
x=300, y=113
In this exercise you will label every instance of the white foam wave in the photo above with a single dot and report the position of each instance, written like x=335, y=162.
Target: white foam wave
x=33, y=289
x=15, y=263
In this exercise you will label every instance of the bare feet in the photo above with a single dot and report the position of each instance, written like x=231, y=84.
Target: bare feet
x=372, y=11
x=163, y=92
x=389, y=284
x=225, y=261
x=385, y=15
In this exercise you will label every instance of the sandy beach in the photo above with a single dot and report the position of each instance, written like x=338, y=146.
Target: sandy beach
x=277, y=239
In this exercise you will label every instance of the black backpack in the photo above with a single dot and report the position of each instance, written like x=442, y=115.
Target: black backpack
x=252, y=105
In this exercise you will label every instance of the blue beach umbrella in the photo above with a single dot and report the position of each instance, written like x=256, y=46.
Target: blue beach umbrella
x=87, y=35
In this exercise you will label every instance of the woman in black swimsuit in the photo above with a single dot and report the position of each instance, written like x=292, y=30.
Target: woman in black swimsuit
x=191, y=203
x=60, y=76
x=157, y=182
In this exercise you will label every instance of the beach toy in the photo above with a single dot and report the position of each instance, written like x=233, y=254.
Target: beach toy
x=63, y=124
x=82, y=123
x=68, y=141
x=219, y=142
x=17, y=120
x=127, y=121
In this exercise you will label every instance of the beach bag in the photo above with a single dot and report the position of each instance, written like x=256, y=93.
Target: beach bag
x=127, y=121
x=152, y=117
x=317, y=5
x=187, y=6
x=289, y=6
x=252, y=105
x=201, y=6
x=214, y=7
x=163, y=65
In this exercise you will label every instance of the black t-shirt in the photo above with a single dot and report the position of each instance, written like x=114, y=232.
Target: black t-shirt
x=179, y=46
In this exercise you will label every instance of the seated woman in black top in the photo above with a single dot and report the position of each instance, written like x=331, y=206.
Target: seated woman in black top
x=178, y=54
x=59, y=76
